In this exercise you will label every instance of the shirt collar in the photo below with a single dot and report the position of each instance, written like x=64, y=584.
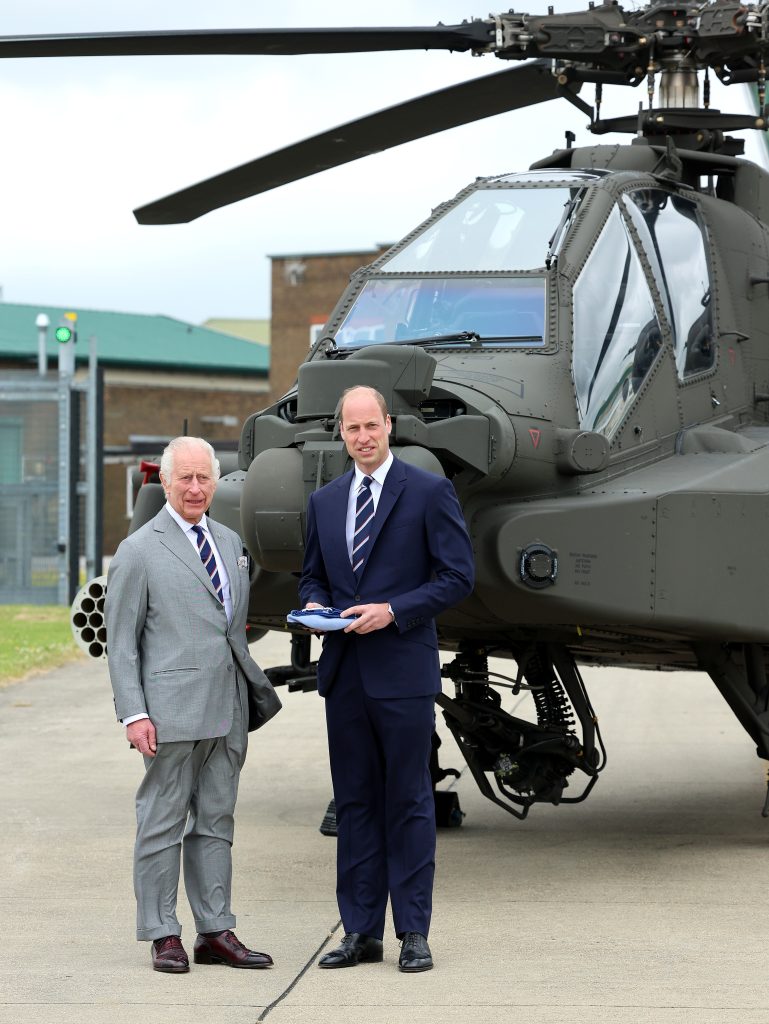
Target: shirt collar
x=187, y=527
x=379, y=474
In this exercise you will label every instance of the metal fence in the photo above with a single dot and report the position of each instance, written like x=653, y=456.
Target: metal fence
x=30, y=562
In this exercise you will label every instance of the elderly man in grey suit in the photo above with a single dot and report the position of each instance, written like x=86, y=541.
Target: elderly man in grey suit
x=183, y=680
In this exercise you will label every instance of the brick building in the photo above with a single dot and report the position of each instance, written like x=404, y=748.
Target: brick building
x=159, y=373
x=305, y=289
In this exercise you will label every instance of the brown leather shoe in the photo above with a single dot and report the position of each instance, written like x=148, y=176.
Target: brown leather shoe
x=168, y=955
x=228, y=949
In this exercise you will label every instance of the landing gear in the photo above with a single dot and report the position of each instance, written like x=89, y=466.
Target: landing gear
x=528, y=762
x=517, y=763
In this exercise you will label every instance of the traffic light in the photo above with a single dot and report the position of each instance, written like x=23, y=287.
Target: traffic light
x=66, y=336
x=67, y=329
x=64, y=333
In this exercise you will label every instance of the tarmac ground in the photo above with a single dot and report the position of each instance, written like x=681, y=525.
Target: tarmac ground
x=647, y=904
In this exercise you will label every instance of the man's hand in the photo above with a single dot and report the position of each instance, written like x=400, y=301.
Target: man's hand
x=142, y=735
x=315, y=632
x=370, y=617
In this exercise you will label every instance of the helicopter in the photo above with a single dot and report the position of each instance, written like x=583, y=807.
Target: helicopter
x=581, y=348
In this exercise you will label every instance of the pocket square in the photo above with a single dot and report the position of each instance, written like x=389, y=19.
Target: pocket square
x=319, y=618
x=242, y=561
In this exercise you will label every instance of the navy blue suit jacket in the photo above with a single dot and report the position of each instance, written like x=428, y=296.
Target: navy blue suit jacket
x=419, y=559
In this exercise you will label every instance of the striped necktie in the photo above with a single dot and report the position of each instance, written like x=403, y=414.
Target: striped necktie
x=208, y=560
x=364, y=513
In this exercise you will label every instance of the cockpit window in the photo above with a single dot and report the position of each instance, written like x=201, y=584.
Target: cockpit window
x=670, y=230
x=616, y=332
x=501, y=311
x=491, y=229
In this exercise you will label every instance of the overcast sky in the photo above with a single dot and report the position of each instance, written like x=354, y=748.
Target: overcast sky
x=86, y=140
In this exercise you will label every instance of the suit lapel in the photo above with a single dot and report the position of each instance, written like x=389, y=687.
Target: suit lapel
x=393, y=485
x=172, y=537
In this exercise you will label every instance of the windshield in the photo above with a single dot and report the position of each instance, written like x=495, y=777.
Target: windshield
x=491, y=229
x=502, y=311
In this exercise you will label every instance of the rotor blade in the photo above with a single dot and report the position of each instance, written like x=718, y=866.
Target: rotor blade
x=467, y=36
x=456, y=105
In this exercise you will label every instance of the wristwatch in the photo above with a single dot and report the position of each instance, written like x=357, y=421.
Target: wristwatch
x=390, y=610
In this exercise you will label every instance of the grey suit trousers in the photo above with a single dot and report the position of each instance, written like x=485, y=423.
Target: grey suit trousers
x=185, y=804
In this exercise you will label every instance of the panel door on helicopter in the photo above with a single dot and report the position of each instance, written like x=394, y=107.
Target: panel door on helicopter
x=674, y=239
x=622, y=319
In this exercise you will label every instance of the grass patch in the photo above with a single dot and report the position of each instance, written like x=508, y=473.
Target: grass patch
x=33, y=638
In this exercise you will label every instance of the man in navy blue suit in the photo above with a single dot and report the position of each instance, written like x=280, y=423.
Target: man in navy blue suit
x=387, y=543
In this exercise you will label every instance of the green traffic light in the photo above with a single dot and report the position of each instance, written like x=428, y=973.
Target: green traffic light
x=63, y=334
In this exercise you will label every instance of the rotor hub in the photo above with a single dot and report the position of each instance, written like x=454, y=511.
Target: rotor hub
x=679, y=88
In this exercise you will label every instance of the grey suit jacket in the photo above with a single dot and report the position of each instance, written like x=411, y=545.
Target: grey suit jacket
x=170, y=649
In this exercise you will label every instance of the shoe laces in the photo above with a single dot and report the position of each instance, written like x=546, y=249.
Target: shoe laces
x=171, y=943
x=232, y=940
x=411, y=939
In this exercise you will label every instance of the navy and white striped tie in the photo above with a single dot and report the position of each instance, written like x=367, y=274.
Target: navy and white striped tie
x=364, y=514
x=208, y=560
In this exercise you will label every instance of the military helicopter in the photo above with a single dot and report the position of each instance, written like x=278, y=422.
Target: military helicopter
x=580, y=347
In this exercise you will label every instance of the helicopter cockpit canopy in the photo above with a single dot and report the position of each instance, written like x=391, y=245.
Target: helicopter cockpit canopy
x=618, y=320
x=477, y=269
x=477, y=273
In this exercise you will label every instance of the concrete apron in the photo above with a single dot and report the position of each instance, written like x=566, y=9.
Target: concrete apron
x=644, y=904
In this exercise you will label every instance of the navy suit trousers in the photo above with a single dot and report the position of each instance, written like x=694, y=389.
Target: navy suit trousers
x=380, y=754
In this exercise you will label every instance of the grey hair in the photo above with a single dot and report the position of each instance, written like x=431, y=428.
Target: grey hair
x=376, y=395
x=167, y=458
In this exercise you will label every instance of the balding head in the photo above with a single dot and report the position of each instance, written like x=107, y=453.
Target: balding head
x=372, y=392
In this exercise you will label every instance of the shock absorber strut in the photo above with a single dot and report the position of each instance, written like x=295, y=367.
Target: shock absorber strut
x=527, y=762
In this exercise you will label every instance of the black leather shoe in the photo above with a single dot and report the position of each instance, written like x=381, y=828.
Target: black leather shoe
x=168, y=955
x=415, y=953
x=227, y=948
x=353, y=949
